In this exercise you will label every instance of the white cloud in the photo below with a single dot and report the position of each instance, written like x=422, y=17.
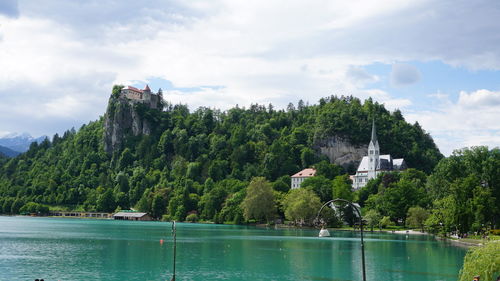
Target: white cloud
x=360, y=77
x=404, y=74
x=4, y=133
x=470, y=121
x=480, y=99
x=258, y=51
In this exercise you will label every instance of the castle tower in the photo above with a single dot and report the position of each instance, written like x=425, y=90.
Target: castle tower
x=146, y=93
x=373, y=154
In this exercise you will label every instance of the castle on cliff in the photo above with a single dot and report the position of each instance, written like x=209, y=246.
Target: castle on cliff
x=373, y=164
x=144, y=96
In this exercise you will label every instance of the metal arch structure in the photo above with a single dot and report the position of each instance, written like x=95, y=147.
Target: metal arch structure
x=360, y=225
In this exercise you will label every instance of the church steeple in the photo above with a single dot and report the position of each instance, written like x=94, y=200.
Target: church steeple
x=374, y=132
x=373, y=153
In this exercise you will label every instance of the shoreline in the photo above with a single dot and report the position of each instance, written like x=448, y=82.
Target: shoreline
x=455, y=242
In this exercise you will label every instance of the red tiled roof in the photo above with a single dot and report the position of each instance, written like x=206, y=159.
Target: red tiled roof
x=134, y=89
x=147, y=88
x=309, y=172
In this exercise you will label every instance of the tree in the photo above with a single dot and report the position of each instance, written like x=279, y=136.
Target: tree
x=483, y=261
x=106, y=202
x=259, y=200
x=211, y=202
x=372, y=218
x=416, y=217
x=158, y=206
x=395, y=199
x=308, y=157
x=126, y=159
x=16, y=206
x=386, y=221
x=320, y=185
x=342, y=188
x=231, y=210
x=282, y=184
x=328, y=170
x=301, y=205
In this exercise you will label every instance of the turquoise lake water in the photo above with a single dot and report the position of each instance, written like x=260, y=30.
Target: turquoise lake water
x=80, y=249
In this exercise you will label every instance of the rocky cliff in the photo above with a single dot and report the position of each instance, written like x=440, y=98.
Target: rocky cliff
x=340, y=151
x=122, y=119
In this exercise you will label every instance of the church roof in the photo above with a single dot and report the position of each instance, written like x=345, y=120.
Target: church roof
x=147, y=88
x=398, y=163
x=309, y=172
x=363, y=166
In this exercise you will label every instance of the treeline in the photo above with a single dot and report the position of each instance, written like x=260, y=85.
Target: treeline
x=461, y=195
x=199, y=165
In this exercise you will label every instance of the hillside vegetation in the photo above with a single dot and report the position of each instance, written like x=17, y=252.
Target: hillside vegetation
x=200, y=163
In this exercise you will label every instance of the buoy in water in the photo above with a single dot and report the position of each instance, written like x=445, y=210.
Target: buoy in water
x=161, y=241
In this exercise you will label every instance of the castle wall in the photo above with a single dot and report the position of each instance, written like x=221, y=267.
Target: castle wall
x=146, y=97
x=133, y=95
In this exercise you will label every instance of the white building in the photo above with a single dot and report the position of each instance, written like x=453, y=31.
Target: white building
x=299, y=177
x=373, y=164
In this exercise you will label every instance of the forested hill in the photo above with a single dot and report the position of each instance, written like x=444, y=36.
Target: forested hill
x=200, y=161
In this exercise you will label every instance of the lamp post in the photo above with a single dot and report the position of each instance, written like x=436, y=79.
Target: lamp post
x=175, y=246
x=360, y=225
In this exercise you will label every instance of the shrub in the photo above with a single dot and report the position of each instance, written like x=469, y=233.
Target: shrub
x=386, y=222
x=483, y=261
x=192, y=218
x=32, y=207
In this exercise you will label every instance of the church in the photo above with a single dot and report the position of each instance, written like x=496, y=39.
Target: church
x=373, y=164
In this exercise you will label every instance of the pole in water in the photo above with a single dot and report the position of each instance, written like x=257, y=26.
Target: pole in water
x=175, y=244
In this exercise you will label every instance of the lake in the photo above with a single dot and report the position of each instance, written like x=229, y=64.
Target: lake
x=84, y=249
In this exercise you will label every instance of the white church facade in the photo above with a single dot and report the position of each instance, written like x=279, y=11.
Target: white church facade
x=373, y=164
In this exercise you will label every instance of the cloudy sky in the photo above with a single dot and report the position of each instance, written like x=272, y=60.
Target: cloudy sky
x=437, y=61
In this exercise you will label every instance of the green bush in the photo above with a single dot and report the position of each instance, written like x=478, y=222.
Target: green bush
x=32, y=207
x=386, y=222
x=192, y=218
x=483, y=261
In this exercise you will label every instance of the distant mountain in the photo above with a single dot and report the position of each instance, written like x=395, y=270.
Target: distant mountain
x=19, y=142
x=5, y=151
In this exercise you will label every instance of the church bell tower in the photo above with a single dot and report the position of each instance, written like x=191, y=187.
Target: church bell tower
x=373, y=154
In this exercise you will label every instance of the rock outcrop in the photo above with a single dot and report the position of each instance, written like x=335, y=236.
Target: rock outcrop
x=340, y=151
x=122, y=119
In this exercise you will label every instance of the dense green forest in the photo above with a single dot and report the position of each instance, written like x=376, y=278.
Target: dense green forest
x=199, y=165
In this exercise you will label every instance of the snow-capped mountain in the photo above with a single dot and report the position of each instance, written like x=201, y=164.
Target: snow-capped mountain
x=19, y=142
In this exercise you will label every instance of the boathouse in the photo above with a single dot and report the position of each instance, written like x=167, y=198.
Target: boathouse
x=132, y=216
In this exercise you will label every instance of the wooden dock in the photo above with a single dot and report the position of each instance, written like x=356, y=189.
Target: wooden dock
x=81, y=214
